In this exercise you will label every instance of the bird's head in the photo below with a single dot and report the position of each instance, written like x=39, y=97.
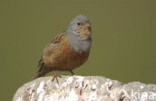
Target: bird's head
x=80, y=26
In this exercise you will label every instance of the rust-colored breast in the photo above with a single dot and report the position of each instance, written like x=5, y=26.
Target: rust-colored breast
x=64, y=57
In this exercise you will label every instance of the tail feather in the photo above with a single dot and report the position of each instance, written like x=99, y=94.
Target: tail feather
x=40, y=65
x=40, y=71
x=38, y=75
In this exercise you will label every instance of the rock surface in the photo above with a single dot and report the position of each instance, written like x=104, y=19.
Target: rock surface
x=84, y=88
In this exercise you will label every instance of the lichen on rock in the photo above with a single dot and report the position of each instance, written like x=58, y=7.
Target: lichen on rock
x=84, y=88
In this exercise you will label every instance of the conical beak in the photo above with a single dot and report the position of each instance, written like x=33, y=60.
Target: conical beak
x=86, y=31
x=88, y=26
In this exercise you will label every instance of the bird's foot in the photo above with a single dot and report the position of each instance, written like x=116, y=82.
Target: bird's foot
x=56, y=77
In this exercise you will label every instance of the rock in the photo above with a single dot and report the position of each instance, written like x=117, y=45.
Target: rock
x=84, y=88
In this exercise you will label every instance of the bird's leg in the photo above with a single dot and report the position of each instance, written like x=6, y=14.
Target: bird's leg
x=72, y=72
x=56, y=77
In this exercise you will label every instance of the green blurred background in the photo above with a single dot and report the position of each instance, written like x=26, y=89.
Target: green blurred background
x=124, y=38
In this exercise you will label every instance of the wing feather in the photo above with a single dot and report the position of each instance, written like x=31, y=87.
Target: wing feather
x=49, y=50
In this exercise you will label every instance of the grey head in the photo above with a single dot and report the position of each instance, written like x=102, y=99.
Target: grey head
x=79, y=33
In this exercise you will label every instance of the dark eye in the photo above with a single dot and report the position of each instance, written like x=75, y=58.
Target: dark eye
x=78, y=23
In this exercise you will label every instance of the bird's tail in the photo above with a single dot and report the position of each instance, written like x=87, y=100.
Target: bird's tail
x=40, y=71
x=38, y=75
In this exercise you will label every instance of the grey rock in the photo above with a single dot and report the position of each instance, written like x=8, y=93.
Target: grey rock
x=84, y=88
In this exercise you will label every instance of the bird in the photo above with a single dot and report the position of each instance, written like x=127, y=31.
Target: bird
x=67, y=50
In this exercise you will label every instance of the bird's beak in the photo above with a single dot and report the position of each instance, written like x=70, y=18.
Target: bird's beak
x=88, y=26
x=86, y=31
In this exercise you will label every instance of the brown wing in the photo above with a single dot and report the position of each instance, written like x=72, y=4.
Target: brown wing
x=49, y=50
x=58, y=38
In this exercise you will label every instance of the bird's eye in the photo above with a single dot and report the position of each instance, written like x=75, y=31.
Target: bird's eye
x=78, y=23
